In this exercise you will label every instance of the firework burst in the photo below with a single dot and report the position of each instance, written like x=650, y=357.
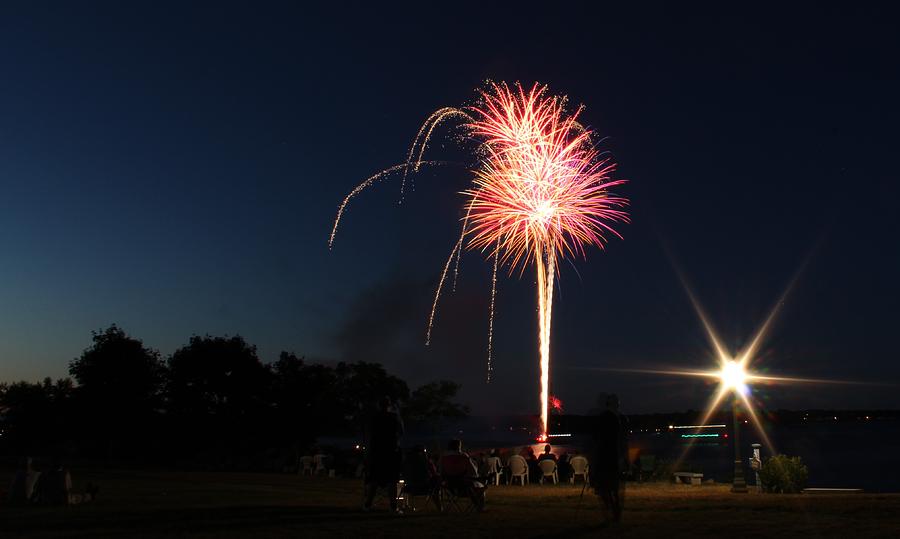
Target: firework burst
x=540, y=194
x=556, y=404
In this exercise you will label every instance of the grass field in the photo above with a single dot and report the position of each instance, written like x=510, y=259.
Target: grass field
x=152, y=504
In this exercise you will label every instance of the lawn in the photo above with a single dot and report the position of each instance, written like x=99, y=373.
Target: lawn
x=149, y=504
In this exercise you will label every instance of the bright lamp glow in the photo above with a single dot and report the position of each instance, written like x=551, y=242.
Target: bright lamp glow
x=733, y=376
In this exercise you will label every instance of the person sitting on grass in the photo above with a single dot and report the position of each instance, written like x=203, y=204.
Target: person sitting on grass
x=461, y=476
x=54, y=487
x=22, y=487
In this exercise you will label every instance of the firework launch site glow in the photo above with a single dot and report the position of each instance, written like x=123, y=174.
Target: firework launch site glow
x=556, y=404
x=539, y=194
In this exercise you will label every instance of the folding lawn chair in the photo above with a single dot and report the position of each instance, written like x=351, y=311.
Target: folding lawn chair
x=456, y=486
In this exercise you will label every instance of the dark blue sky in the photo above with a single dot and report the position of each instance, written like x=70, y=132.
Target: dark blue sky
x=175, y=169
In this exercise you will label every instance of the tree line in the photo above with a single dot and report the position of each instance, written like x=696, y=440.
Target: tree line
x=212, y=402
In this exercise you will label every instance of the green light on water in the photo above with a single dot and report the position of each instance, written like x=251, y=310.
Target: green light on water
x=699, y=435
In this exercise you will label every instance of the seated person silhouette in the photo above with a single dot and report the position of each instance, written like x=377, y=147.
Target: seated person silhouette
x=492, y=466
x=547, y=454
x=565, y=469
x=534, y=471
x=460, y=475
x=420, y=476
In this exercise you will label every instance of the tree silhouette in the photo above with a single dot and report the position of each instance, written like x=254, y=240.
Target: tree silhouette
x=36, y=417
x=212, y=402
x=432, y=405
x=361, y=385
x=306, y=398
x=218, y=390
x=119, y=388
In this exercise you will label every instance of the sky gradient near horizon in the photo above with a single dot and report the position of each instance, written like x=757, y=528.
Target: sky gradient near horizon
x=175, y=169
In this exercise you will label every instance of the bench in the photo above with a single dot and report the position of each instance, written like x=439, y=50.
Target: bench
x=695, y=479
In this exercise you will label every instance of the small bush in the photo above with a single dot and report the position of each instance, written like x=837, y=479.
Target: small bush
x=783, y=474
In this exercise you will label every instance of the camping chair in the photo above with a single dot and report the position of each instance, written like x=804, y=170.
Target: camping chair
x=306, y=465
x=456, y=485
x=411, y=495
x=492, y=469
x=383, y=496
x=420, y=480
x=518, y=468
x=549, y=469
x=579, y=467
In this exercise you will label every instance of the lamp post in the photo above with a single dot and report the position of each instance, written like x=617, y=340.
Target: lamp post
x=733, y=380
x=739, y=484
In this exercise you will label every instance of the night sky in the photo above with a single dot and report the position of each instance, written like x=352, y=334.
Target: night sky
x=175, y=168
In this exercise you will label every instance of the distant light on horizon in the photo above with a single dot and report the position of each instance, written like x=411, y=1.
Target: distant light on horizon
x=716, y=426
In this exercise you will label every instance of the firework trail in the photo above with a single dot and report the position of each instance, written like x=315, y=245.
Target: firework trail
x=540, y=193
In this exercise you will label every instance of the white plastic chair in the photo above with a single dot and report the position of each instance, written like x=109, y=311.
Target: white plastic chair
x=492, y=469
x=579, y=467
x=518, y=468
x=306, y=465
x=549, y=469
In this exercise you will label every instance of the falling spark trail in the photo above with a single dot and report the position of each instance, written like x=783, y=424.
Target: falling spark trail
x=422, y=138
x=459, y=245
x=490, y=364
x=361, y=187
x=437, y=294
x=456, y=266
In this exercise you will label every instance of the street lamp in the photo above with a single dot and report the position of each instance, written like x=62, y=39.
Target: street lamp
x=733, y=378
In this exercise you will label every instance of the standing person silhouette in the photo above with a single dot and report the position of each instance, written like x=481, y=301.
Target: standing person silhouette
x=383, y=457
x=610, y=447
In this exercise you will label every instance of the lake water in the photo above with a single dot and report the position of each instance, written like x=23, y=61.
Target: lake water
x=839, y=454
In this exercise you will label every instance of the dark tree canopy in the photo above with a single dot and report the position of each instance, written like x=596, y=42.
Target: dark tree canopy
x=35, y=417
x=433, y=404
x=117, y=375
x=305, y=393
x=219, y=376
x=213, y=403
x=361, y=385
